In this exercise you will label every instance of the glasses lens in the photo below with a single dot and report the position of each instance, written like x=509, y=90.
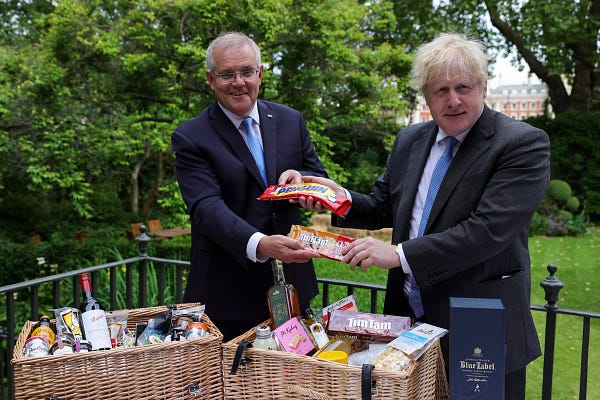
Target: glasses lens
x=228, y=76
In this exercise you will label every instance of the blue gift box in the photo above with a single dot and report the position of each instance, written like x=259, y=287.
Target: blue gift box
x=477, y=348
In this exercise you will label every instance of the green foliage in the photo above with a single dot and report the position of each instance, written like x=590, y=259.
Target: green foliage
x=555, y=215
x=559, y=191
x=575, y=148
x=90, y=93
x=538, y=225
x=572, y=204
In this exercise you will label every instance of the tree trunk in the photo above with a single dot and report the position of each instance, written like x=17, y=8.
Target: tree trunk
x=135, y=185
x=157, y=182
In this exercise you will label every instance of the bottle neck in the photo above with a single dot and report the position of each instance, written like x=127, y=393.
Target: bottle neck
x=278, y=272
x=86, y=285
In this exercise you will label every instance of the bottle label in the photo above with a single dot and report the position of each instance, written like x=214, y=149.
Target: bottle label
x=319, y=334
x=278, y=304
x=96, y=329
x=44, y=331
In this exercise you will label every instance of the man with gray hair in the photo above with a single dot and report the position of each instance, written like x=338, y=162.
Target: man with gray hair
x=225, y=158
x=460, y=192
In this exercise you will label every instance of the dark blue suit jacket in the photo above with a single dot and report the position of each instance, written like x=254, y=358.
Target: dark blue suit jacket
x=476, y=239
x=220, y=183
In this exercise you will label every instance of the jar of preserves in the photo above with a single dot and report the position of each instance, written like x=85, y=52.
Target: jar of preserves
x=264, y=338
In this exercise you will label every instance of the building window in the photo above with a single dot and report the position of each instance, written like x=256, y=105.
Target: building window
x=523, y=106
x=514, y=106
x=533, y=105
x=504, y=106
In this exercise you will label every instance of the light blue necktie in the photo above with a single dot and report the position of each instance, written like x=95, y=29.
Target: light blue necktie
x=414, y=297
x=255, y=148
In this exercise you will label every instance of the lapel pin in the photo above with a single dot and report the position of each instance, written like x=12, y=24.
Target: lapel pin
x=269, y=115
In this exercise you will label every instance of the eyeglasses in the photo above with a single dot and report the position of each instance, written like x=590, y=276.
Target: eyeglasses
x=245, y=75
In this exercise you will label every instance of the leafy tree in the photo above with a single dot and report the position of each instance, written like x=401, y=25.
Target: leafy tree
x=93, y=89
x=557, y=39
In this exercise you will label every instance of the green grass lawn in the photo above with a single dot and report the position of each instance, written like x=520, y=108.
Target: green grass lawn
x=577, y=259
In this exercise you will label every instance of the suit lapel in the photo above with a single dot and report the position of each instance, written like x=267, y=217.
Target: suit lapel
x=419, y=151
x=225, y=128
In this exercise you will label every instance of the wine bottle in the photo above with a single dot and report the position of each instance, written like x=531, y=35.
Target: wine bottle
x=93, y=317
x=315, y=328
x=282, y=297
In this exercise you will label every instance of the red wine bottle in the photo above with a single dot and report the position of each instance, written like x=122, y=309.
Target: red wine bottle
x=93, y=317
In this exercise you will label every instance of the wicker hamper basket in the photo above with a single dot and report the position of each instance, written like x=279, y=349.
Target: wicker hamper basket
x=268, y=374
x=178, y=370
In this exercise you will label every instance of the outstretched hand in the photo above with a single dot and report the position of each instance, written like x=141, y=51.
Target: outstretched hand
x=285, y=249
x=309, y=203
x=368, y=252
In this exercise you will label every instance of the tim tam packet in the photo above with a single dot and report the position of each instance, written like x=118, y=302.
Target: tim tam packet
x=327, y=244
x=376, y=327
x=334, y=202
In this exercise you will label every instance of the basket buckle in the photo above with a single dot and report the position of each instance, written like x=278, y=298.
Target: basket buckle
x=194, y=389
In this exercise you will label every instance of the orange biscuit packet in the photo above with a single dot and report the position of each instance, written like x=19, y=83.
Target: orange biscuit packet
x=327, y=244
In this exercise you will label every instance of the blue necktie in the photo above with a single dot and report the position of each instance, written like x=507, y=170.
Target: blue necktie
x=255, y=148
x=414, y=297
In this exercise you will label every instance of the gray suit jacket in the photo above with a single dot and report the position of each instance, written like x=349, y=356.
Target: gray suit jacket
x=476, y=240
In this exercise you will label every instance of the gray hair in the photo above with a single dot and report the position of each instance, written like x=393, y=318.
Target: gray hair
x=449, y=55
x=230, y=39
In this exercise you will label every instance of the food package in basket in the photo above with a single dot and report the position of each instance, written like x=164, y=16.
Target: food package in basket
x=177, y=370
x=375, y=327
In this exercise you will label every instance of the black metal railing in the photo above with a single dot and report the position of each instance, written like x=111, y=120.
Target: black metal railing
x=551, y=285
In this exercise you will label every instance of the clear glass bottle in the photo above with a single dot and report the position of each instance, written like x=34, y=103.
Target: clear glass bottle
x=282, y=297
x=315, y=328
x=264, y=338
x=93, y=317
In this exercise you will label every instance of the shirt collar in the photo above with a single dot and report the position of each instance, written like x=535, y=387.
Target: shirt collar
x=237, y=121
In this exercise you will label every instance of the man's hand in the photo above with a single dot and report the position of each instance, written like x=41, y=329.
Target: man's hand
x=367, y=252
x=285, y=249
x=290, y=176
x=311, y=204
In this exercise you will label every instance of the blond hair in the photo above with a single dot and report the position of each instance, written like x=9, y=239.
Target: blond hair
x=449, y=55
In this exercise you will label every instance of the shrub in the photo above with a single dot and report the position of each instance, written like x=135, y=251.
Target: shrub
x=559, y=191
x=555, y=214
x=575, y=149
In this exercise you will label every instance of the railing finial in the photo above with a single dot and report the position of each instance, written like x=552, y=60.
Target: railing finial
x=552, y=286
x=142, y=239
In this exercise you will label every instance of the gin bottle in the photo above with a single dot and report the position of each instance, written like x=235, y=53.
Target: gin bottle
x=282, y=297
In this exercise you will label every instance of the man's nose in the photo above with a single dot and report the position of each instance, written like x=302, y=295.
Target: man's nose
x=453, y=98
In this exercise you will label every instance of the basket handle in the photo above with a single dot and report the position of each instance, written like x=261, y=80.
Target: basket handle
x=367, y=384
x=238, y=359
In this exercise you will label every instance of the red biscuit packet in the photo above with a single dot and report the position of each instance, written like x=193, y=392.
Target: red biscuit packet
x=334, y=202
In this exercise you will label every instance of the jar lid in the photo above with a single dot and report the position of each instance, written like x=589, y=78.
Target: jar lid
x=263, y=331
x=334, y=355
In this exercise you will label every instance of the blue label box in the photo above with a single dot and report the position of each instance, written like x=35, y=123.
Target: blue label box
x=477, y=348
